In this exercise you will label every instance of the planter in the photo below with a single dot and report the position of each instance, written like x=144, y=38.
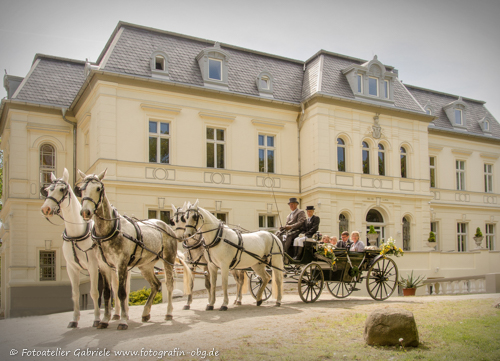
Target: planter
x=372, y=238
x=409, y=291
x=431, y=244
x=478, y=241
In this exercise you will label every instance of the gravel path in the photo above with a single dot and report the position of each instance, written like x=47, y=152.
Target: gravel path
x=190, y=331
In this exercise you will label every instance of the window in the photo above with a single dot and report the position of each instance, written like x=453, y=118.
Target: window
x=432, y=165
x=486, y=126
x=267, y=222
x=373, y=86
x=403, y=163
x=428, y=111
x=360, y=83
x=458, y=117
x=221, y=216
x=159, y=62
x=215, y=148
x=47, y=265
x=161, y=215
x=488, y=178
x=381, y=159
x=460, y=169
x=386, y=89
x=434, y=228
x=461, y=237
x=374, y=218
x=159, y=65
x=341, y=155
x=406, y=234
x=366, y=158
x=343, y=223
x=47, y=163
x=266, y=154
x=490, y=236
x=214, y=69
x=264, y=82
x=159, y=138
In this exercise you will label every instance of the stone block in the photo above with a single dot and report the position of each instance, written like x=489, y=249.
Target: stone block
x=386, y=326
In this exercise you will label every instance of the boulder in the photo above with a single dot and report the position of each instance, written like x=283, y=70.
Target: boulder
x=386, y=326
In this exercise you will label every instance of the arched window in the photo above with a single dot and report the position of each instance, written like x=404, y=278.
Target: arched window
x=381, y=159
x=366, y=158
x=404, y=162
x=341, y=155
x=375, y=219
x=159, y=65
x=406, y=234
x=47, y=163
x=343, y=223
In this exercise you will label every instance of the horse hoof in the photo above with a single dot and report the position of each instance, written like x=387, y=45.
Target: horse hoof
x=237, y=303
x=278, y=304
x=96, y=323
x=116, y=317
x=102, y=325
x=186, y=307
x=146, y=318
x=259, y=303
x=209, y=308
x=169, y=317
x=73, y=325
x=122, y=327
x=223, y=308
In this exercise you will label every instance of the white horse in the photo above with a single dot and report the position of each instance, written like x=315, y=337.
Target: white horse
x=226, y=249
x=124, y=243
x=77, y=247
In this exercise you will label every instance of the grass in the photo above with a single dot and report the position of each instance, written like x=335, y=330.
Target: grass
x=448, y=330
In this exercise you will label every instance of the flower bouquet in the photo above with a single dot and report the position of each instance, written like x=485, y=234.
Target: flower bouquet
x=389, y=248
x=325, y=250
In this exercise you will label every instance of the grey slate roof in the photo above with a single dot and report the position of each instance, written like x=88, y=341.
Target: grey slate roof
x=475, y=110
x=52, y=81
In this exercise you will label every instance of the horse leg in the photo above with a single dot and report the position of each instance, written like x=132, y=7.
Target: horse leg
x=114, y=286
x=260, y=269
x=169, y=283
x=187, y=306
x=225, y=275
x=94, y=291
x=74, y=276
x=122, y=295
x=148, y=273
x=207, y=285
x=212, y=270
x=277, y=285
x=239, y=286
x=107, y=298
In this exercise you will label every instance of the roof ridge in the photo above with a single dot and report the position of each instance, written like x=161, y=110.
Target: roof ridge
x=443, y=93
x=39, y=55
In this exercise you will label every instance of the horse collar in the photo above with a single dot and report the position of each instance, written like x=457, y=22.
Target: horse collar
x=116, y=229
x=76, y=239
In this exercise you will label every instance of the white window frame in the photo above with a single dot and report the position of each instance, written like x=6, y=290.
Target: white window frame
x=359, y=79
x=221, y=69
x=384, y=159
x=386, y=89
x=432, y=167
x=216, y=142
x=486, y=126
x=266, y=227
x=376, y=86
x=367, y=149
x=162, y=61
x=459, y=111
x=462, y=236
x=217, y=215
x=158, y=214
x=490, y=236
x=159, y=135
x=405, y=154
x=435, y=229
x=44, y=169
x=344, y=147
x=488, y=178
x=267, y=148
x=460, y=175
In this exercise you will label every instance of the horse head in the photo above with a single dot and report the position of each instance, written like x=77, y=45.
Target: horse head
x=178, y=220
x=193, y=220
x=55, y=194
x=91, y=189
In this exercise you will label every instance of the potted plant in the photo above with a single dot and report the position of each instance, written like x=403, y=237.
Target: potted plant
x=372, y=236
x=478, y=238
x=431, y=241
x=410, y=284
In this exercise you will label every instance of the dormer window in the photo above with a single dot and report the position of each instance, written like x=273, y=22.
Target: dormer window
x=428, y=111
x=265, y=84
x=428, y=108
x=485, y=125
x=213, y=62
x=371, y=81
x=159, y=65
x=457, y=113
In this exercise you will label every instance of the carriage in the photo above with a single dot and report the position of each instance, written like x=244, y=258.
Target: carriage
x=341, y=271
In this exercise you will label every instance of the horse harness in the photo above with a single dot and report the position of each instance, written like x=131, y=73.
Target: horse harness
x=74, y=244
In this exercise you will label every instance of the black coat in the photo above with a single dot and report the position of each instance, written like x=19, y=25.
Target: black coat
x=310, y=228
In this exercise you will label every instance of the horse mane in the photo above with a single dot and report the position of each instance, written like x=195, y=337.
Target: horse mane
x=207, y=216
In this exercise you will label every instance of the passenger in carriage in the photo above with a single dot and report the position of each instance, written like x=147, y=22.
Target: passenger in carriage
x=293, y=224
x=345, y=240
x=325, y=239
x=309, y=228
x=334, y=241
x=357, y=245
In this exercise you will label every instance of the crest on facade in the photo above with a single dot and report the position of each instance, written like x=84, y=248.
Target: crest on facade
x=376, y=128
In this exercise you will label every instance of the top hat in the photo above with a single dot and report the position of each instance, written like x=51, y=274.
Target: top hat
x=310, y=208
x=293, y=200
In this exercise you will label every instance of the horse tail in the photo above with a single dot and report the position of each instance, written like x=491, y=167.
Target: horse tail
x=246, y=282
x=277, y=262
x=187, y=276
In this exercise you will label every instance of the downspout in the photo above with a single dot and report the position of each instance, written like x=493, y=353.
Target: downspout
x=299, y=126
x=73, y=124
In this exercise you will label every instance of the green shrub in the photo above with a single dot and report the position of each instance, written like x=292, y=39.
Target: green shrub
x=372, y=230
x=478, y=232
x=141, y=296
x=432, y=237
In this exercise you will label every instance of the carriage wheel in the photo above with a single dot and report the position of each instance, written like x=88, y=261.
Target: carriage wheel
x=256, y=283
x=311, y=282
x=382, y=279
x=341, y=289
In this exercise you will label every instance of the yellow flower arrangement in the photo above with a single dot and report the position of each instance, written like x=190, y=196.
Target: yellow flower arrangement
x=389, y=248
x=326, y=250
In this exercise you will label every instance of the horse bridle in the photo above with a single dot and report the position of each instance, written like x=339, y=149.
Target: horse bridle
x=78, y=191
x=44, y=193
x=183, y=219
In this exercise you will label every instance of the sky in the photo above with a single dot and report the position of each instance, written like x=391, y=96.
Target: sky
x=452, y=46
